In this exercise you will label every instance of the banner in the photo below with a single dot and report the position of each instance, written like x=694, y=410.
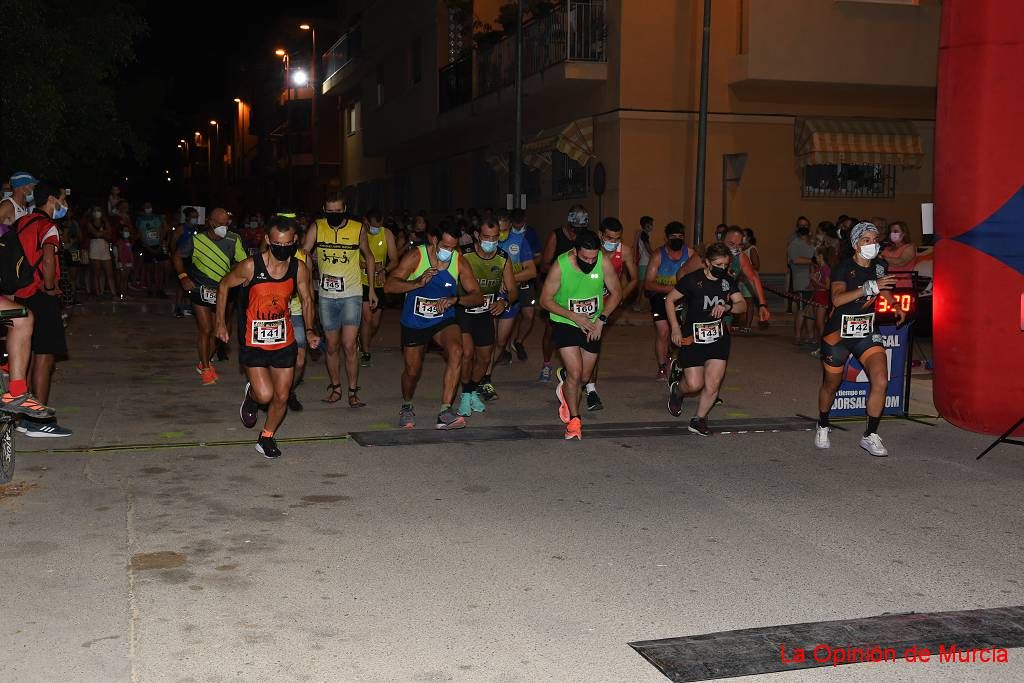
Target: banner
x=852, y=397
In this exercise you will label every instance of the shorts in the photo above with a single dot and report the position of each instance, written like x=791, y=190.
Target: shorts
x=563, y=336
x=338, y=313
x=153, y=255
x=658, y=311
x=197, y=300
x=378, y=290
x=251, y=357
x=99, y=249
x=479, y=326
x=48, y=337
x=835, y=350
x=413, y=336
x=512, y=311
x=299, y=328
x=528, y=294
x=642, y=272
x=695, y=355
x=820, y=297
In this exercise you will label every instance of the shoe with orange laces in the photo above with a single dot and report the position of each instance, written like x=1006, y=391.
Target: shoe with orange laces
x=26, y=404
x=208, y=376
x=574, y=430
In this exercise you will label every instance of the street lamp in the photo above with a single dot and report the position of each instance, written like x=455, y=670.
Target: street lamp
x=210, y=144
x=313, y=123
x=300, y=78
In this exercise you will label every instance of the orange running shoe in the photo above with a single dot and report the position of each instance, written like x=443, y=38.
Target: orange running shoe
x=574, y=430
x=208, y=376
x=563, y=405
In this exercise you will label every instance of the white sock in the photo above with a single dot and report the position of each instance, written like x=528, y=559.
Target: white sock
x=591, y=387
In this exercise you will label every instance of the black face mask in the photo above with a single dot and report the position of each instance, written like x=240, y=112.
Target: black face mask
x=675, y=243
x=719, y=272
x=584, y=266
x=282, y=252
x=334, y=217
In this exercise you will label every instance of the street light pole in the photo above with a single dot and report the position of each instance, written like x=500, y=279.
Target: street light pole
x=702, y=129
x=215, y=141
x=314, y=132
x=517, y=186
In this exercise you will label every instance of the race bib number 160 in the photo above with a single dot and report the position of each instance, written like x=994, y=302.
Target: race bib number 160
x=587, y=307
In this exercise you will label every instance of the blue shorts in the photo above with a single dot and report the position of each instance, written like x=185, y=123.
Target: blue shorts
x=338, y=313
x=299, y=328
x=511, y=312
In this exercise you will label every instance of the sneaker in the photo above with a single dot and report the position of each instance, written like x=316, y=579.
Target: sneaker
x=563, y=407
x=447, y=420
x=545, y=374
x=294, y=403
x=821, y=439
x=505, y=358
x=872, y=443
x=249, y=411
x=178, y=313
x=520, y=351
x=574, y=429
x=477, y=403
x=675, y=372
x=364, y=360
x=487, y=392
x=466, y=404
x=816, y=353
x=42, y=429
x=718, y=402
x=267, y=447
x=675, y=400
x=699, y=425
x=594, y=401
x=662, y=372
x=208, y=376
x=187, y=311
x=26, y=404
x=406, y=418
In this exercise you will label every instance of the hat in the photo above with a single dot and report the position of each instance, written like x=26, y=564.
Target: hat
x=859, y=230
x=21, y=179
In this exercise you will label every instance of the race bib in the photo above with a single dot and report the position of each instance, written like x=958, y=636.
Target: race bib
x=76, y=256
x=267, y=332
x=587, y=307
x=427, y=308
x=707, y=333
x=379, y=275
x=857, y=326
x=208, y=295
x=332, y=283
x=153, y=236
x=485, y=306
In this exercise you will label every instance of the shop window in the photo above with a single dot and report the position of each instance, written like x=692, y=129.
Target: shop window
x=846, y=181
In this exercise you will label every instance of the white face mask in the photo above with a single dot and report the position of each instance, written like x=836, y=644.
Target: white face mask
x=148, y=210
x=221, y=231
x=868, y=251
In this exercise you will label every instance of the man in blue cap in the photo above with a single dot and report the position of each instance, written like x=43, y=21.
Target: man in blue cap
x=19, y=203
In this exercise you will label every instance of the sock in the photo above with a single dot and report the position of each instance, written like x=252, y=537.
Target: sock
x=407, y=404
x=873, y=423
x=591, y=387
x=486, y=379
x=468, y=387
x=823, y=420
x=445, y=406
x=267, y=433
x=18, y=387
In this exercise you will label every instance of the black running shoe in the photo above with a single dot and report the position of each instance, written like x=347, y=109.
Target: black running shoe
x=267, y=447
x=675, y=400
x=594, y=401
x=698, y=425
x=294, y=403
x=520, y=351
x=675, y=372
x=505, y=358
x=249, y=411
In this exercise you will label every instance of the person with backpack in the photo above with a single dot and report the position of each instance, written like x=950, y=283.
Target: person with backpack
x=30, y=270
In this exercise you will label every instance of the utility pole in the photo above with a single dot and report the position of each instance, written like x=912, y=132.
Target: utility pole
x=702, y=129
x=517, y=187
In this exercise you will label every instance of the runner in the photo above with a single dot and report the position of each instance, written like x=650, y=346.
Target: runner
x=524, y=269
x=527, y=289
x=852, y=329
x=179, y=235
x=642, y=248
x=493, y=271
x=429, y=276
x=382, y=245
x=342, y=255
x=574, y=296
x=662, y=274
x=210, y=255
x=299, y=326
x=559, y=242
x=266, y=339
x=703, y=339
x=621, y=257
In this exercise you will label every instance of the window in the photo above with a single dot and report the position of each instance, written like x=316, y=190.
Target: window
x=353, y=118
x=568, y=178
x=850, y=181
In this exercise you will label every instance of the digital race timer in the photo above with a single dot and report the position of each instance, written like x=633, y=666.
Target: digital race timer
x=902, y=300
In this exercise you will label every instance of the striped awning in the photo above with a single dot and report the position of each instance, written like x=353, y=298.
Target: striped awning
x=576, y=141
x=857, y=141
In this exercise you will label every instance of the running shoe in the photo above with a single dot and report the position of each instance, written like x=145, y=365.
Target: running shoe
x=520, y=351
x=574, y=429
x=26, y=404
x=365, y=360
x=594, y=401
x=821, y=439
x=42, y=429
x=563, y=407
x=178, y=313
x=675, y=400
x=249, y=411
x=208, y=376
x=545, y=374
x=477, y=403
x=406, y=418
x=487, y=392
x=447, y=420
x=872, y=443
x=675, y=372
x=699, y=425
x=466, y=404
x=662, y=372
x=718, y=402
x=294, y=403
x=505, y=358
x=267, y=447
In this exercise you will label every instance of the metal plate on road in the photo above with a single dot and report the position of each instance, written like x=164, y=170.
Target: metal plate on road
x=947, y=637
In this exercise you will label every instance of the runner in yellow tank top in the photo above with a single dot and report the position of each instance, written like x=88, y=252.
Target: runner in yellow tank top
x=336, y=243
x=385, y=256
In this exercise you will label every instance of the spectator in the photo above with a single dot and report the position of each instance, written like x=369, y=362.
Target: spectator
x=19, y=203
x=152, y=232
x=821, y=297
x=100, y=233
x=881, y=223
x=643, y=252
x=750, y=249
x=900, y=251
x=114, y=200
x=123, y=261
x=799, y=254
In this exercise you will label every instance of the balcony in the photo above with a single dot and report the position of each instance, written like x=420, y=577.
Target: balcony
x=338, y=63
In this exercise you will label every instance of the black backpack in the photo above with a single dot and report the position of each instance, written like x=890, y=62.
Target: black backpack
x=16, y=271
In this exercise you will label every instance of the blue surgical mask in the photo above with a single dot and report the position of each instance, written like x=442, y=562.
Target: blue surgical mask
x=30, y=198
x=489, y=246
x=444, y=254
x=373, y=230
x=60, y=212
x=519, y=231
x=8, y=195
x=611, y=246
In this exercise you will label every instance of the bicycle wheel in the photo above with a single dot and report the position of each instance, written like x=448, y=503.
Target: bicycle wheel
x=6, y=450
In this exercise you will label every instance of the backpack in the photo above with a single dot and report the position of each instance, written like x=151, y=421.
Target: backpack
x=16, y=272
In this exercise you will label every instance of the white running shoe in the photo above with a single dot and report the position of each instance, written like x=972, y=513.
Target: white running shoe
x=821, y=437
x=872, y=443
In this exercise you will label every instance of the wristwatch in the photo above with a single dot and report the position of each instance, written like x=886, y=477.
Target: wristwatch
x=762, y=305
x=603, y=318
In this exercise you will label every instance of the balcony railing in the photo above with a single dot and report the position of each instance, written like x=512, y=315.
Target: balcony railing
x=341, y=54
x=455, y=83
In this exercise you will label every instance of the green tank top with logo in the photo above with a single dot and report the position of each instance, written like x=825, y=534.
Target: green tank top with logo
x=580, y=292
x=488, y=272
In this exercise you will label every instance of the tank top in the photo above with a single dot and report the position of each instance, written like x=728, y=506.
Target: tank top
x=18, y=210
x=265, y=319
x=489, y=273
x=669, y=267
x=421, y=309
x=616, y=257
x=562, y=244
x=295, y=305
x=379, y=249
x=337, y=259
x=578, y=291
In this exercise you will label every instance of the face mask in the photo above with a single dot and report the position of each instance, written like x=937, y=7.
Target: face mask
x=373, y=230
x=611, y=246
x=97, y=215
x=148, y=210
x=896, y=237
x=125, y=234
x=444, y=254
x=60, y=212
x=868, y=251
x=221, y=231
x=283, y=252
x=584, y=266
x=29, y=198
x=488, y=246
x=519, y=231
x=675, y=244
x=188, y=221
x=503, y=235
x=734, y=251
x=334, y=217
x=719, y=272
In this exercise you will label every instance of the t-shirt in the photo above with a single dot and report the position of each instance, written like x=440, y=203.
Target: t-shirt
x=856, y=319
x=210, y=259
x=34, y=231
x=533, y=239
x=701, y=294
x=149, y=229
x=518, y=249
x=801, y=272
